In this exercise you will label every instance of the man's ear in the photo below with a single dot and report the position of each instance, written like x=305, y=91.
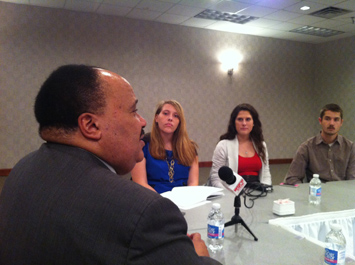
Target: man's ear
x=89, y=126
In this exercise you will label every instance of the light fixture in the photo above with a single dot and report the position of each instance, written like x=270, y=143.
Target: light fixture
x=321, y=32
x=230, y=60
x=225, y=16
x=304, y=8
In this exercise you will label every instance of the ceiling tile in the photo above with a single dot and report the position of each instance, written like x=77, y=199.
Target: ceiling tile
x=263, y=23
x=153, y=5
x=306, y=20
x=275, y=17
x=257, y=11
x=171, y=19
x=350, y=5
x=184, y=10
x=143, y=14
x=347, y=18
x=170, y=1
x=113, y=10
x=279, y=4
x=313, y=7
x=80, y=5
x=328, y=2
x=224, y=26
x=27, y=2
x=285, y=26
x=328, y=23
x=247, y=1
x=126, y=3
x=282, y=15
x=231, y=7
x=350, y=27
x=235, y=28
x=48, y=3
x=200, y=3
x=198, y=22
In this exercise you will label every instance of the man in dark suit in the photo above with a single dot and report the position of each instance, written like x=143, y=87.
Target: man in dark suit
x=65, y=203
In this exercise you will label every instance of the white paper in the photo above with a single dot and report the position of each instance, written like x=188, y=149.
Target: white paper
x=189, y=197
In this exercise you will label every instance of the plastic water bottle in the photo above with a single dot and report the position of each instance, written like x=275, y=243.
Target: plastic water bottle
x=215, y=228
x=315, y=190
x=335, y=246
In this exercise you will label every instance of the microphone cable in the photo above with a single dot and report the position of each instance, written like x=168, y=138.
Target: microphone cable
x=261, y=189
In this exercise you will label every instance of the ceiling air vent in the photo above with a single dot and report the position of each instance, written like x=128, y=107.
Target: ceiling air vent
x=225, y=16
x=330, y=12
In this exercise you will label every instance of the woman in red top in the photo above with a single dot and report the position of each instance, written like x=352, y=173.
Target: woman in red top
x=242, y=148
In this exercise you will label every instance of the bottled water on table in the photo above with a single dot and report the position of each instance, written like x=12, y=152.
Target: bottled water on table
x=315, y=190
x=335, y=246
x=215, y=228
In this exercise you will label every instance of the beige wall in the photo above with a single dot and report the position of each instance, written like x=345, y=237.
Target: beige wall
x=286, y=81
x=335, y=79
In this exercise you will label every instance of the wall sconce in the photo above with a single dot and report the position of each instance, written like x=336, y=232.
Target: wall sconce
x=230, y=60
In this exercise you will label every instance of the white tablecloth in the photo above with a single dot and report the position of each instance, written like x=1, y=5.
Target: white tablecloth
x=314, y=227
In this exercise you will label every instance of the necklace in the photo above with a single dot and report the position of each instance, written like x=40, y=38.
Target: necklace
x=171, y=169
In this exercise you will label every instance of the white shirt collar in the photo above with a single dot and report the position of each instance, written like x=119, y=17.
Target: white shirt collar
x=108, y=166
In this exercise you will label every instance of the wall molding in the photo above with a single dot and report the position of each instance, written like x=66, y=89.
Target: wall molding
x=276, y=161
x=4, y=171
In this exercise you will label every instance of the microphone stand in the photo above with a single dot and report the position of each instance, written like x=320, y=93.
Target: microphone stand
x=236, y=219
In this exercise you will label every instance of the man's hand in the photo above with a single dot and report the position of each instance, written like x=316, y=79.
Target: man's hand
x=199, y=244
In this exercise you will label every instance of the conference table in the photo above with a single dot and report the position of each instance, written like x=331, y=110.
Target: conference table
x=275, y=245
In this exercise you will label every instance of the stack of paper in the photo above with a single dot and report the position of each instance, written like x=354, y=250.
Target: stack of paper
x=188, y=197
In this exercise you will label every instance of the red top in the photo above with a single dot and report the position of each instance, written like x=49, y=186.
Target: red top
x=249, y=165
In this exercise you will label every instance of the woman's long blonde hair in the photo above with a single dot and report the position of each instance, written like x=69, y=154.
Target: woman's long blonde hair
x=184, y=149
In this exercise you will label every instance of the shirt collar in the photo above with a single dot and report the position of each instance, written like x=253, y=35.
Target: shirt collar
x=107, y=165
x=319, y=139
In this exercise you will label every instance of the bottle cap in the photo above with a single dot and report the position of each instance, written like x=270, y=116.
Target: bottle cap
x=216, y=206
x=335, y=226
x=315, y=175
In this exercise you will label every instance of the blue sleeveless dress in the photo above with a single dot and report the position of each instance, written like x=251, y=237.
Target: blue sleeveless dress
x=157, y=172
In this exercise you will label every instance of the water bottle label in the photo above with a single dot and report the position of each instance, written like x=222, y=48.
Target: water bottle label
x=334, y=257
x=315, y=191
x=215, y=231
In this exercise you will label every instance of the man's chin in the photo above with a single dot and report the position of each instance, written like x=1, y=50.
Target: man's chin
x=140, y=157
x=330, y=133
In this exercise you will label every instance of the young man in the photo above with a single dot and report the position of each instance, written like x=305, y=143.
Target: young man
x=328, y=154
x=65, y=203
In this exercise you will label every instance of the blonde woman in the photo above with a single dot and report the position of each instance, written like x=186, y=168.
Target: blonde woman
x=170, y=156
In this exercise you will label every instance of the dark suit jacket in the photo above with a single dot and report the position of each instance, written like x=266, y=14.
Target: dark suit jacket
x=62, y=205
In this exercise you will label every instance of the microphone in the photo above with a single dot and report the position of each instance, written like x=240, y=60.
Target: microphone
x=235, y=182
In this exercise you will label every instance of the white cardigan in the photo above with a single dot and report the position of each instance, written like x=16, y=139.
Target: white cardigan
x=226, y=154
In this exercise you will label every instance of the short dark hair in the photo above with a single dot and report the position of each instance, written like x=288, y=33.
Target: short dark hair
x=68, y=92
x=332, y=107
